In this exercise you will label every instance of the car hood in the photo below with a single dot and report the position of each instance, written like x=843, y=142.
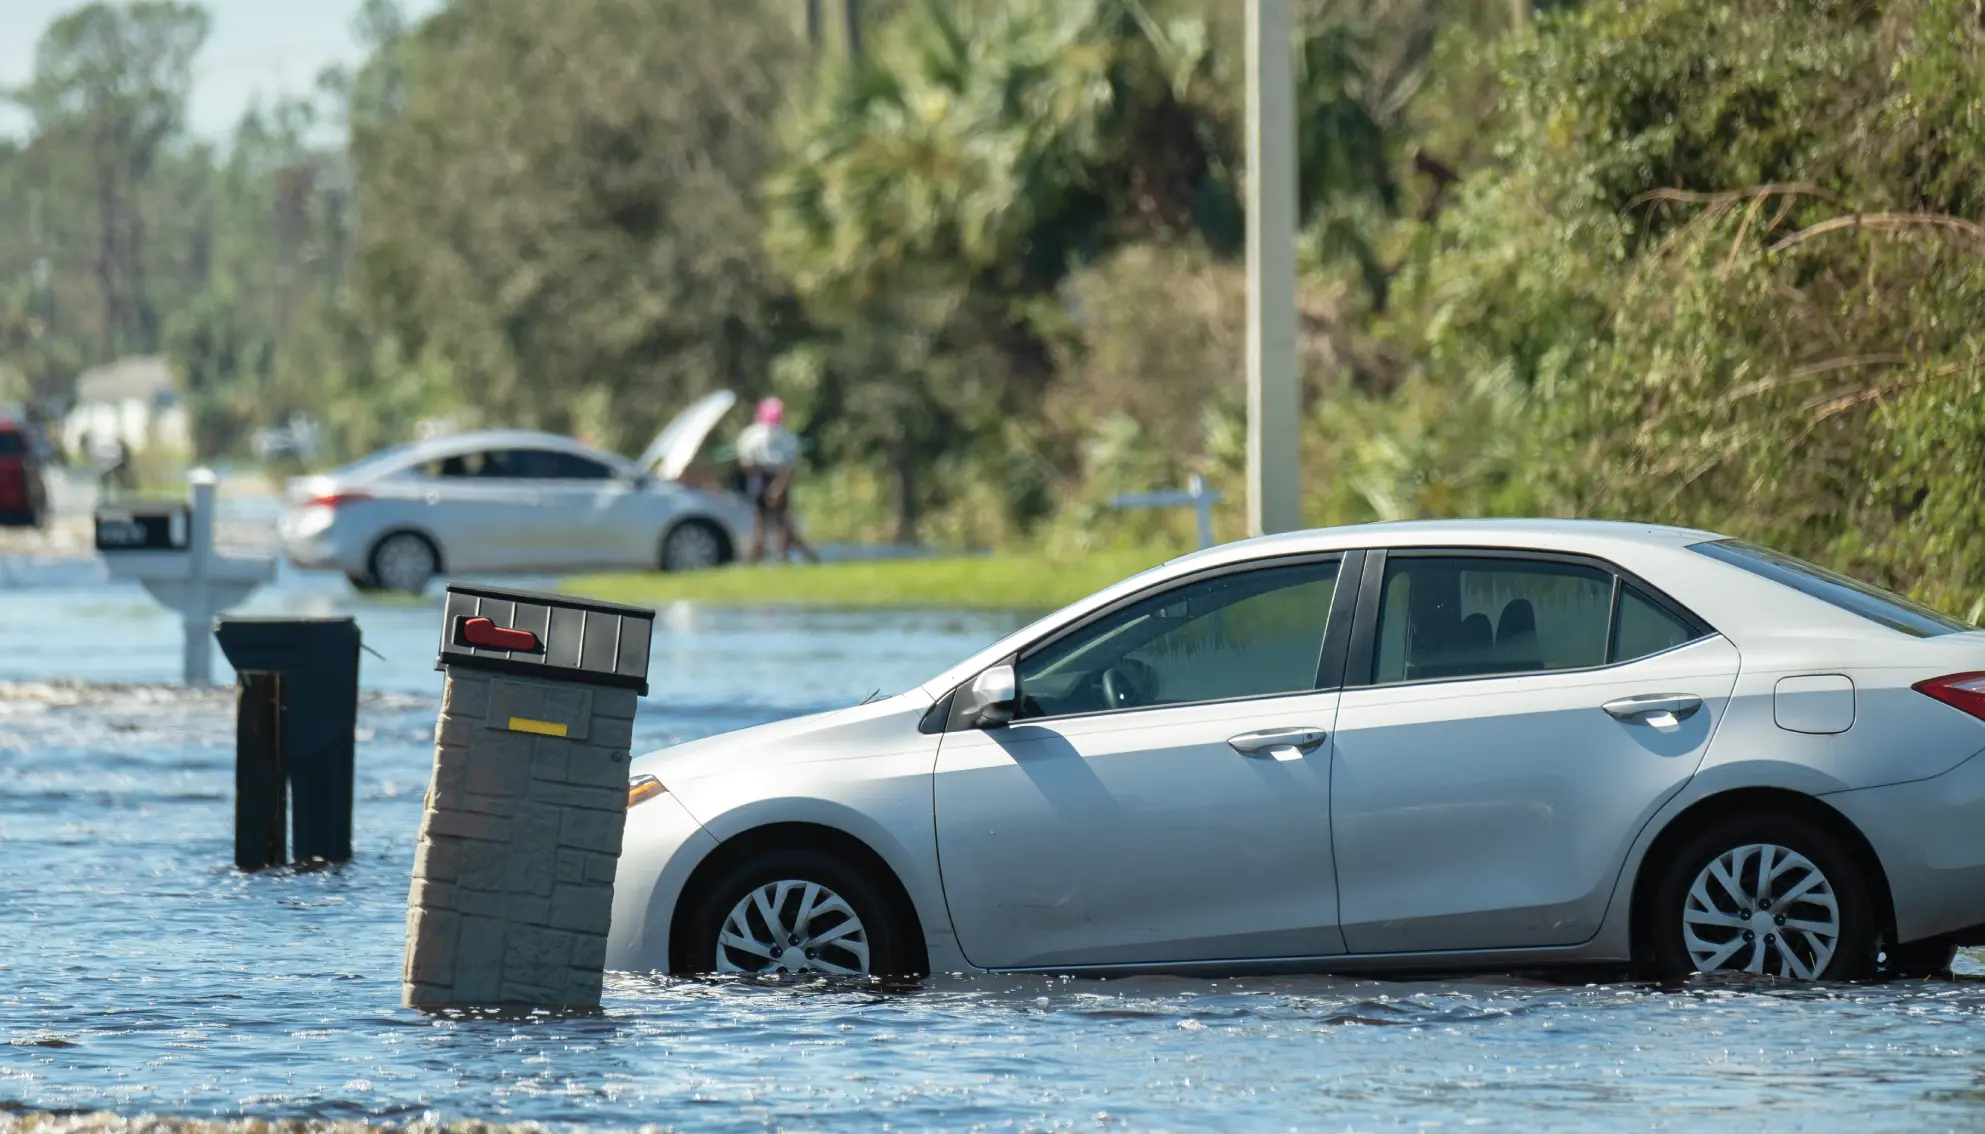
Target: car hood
x=861, y=730
x=670, y=454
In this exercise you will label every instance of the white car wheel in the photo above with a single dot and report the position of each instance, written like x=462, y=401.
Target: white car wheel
x=692, y=545
x=793, y=926
x=1762, y=909
x=405, y=561
x=1770, y=894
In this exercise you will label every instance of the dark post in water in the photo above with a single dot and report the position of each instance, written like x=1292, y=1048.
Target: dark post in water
x=296, y=723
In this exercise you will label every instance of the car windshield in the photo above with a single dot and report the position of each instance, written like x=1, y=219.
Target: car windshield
x=1849, y=594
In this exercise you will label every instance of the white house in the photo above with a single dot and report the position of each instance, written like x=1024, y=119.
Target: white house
x=132, y=400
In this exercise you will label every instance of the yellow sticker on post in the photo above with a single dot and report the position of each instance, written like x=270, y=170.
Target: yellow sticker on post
x=541, y=728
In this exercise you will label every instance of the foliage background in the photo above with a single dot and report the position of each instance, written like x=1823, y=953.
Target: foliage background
x=1714, y=262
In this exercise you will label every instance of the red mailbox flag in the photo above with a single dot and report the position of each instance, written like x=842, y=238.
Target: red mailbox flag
x=483, y=633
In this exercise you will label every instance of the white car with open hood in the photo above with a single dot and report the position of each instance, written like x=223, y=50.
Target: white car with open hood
x=515, y=501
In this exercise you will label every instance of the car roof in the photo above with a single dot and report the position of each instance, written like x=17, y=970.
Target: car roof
x=501, y=439
x=1538, y=534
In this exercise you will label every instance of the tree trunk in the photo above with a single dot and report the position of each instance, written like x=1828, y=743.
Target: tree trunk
x=144, y=317
x=107, y=256
x=851, y=12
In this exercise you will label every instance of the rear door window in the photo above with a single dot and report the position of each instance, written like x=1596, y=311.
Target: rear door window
x=1448, y=617
x=1849, y=594
x=543, y=464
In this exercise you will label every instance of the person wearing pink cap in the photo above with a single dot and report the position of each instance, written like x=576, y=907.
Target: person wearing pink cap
x=767, y=451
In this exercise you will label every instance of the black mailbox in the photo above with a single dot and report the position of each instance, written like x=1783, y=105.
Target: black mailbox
x=317, y=663
x=143, y=527
x=545, y=635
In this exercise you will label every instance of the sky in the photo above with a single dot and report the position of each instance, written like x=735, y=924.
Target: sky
x=256, y=48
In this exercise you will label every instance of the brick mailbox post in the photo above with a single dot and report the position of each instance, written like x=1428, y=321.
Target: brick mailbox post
x=513, y=876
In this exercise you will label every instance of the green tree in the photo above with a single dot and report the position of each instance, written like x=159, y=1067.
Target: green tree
x=107, y=97
x=1730, y=260
x=940, y=192
x=561, y=217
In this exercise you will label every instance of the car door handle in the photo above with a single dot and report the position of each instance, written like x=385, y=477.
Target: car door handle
x=1649, y=708
x=1278, y=743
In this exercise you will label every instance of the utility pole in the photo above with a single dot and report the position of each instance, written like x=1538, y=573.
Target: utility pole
x=821, y=14
x=1274, y=402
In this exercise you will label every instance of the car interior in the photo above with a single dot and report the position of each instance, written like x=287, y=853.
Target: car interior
x=1449, y=618
x=1247, y=634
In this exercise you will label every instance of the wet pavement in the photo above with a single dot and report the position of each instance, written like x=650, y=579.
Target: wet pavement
x=140, y=972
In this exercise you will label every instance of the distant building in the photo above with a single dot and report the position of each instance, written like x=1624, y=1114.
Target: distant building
x=132, y=400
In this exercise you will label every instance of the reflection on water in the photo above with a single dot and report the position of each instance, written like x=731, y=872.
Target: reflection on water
x=139, y=971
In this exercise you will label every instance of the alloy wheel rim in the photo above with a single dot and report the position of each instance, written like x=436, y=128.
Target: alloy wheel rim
x=405, y=563
x=691, y=546
x=793, y=926
x=1762, y=908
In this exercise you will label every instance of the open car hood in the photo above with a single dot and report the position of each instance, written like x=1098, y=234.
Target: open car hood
x=669, y=455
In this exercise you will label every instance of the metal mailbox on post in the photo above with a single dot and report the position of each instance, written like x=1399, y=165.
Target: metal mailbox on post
x=170, y=549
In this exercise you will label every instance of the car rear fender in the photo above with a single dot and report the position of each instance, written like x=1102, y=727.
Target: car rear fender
x=1614, y=940
x=1891, y=734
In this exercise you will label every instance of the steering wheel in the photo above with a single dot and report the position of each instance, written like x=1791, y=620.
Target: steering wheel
x=1120, y=690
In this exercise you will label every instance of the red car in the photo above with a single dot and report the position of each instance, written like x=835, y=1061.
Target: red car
x=23, y=496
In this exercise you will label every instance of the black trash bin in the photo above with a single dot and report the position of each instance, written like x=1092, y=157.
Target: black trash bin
x=315, y=724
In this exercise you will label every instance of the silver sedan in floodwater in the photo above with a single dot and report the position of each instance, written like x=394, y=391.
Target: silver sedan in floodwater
x=511, y=500
x=1396, y=747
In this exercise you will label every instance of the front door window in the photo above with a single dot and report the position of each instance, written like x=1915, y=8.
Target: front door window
x=1254, y=633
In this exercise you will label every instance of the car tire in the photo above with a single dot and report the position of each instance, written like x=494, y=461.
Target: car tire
x=1918, y=960
x=404, y=561
x=814, y=895
x=364, y=584
x=694, y=545
x=1699, y=922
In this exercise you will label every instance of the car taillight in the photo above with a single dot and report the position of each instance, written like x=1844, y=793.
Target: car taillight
x=336, y=499
x=1962, y=691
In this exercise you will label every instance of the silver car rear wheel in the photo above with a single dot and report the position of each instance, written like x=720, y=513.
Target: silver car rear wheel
x=1762, y=908
x=692, y=545
x=793, y=926
x=405, y=561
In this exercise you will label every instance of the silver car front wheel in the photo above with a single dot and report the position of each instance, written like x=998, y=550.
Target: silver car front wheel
x=1762, y=908
x=404, y=561
x=793, y=926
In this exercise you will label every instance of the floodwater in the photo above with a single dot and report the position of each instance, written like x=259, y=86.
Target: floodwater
x=140, y=972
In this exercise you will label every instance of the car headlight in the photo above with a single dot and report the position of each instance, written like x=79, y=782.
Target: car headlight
x=642, y=788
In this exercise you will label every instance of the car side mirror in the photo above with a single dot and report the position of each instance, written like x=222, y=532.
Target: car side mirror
x=990, y=700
